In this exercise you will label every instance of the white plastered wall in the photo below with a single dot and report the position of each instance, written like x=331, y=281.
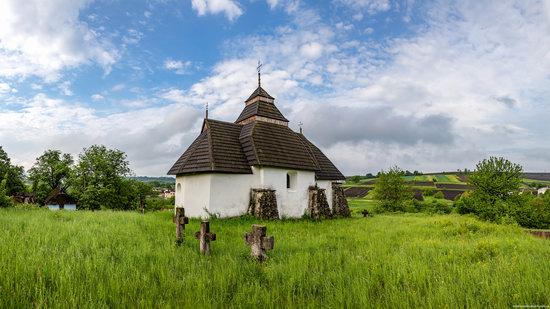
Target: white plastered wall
x=193, y=193
x=229, y=194
x=291, y=202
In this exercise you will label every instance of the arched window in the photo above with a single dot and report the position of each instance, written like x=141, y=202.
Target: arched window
x=179, y=188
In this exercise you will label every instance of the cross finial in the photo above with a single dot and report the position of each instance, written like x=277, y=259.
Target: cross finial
x=300, y=124
x=259, y=68
x=206, y=110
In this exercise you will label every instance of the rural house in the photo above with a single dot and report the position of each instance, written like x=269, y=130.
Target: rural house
x=257, y=165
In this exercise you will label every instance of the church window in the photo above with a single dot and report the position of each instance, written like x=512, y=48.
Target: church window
x=291, y=178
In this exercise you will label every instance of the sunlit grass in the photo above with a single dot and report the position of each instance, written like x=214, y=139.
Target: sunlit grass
x=121, y=259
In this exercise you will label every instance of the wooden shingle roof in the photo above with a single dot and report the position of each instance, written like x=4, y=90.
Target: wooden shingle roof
x=234, y=147
x=259, y=92
x=263, y=109
x=269, y=144
x=217, y=149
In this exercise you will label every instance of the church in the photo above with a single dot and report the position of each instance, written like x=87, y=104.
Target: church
x=256, y=165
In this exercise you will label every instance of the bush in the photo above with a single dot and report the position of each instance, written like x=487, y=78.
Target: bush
x=158, y=203
x=5, y=200
x=439, y=207
x=391, y=191
x=428, y=192
x=439, y=195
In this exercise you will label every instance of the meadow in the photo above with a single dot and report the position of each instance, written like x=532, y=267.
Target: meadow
x=124, y=259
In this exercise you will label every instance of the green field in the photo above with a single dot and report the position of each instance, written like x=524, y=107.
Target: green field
x=122, y=259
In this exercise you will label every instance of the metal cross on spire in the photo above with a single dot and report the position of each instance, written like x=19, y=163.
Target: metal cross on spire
x=300, y=124
x=259, y=68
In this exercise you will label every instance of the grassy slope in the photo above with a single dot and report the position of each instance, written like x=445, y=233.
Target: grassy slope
x=84, y=259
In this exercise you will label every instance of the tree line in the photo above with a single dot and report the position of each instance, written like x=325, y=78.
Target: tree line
x=97, y=180
x=496, y=197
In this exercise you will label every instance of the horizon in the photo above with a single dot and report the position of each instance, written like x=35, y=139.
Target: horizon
x=377, y=83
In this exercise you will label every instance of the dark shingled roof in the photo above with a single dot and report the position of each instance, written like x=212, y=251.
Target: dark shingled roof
x=259, y=92
x=233, y=148
x=327, y=170
x=270, y=144
x=263, y=109
x=217, y=149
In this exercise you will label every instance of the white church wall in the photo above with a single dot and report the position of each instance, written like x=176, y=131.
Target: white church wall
x=327, y=185
x=291, y=202
x=193, y=193
x=230, y=193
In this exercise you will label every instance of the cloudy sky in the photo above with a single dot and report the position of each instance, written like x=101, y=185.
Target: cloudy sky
x=425, y=85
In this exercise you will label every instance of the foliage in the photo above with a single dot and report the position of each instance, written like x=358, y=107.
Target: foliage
x=5, y=200
x=439, y=195
x=391, y=190
x=13, y=174
x=437, y=207
x=124, y=259
x=50, y=171
x=428, y=192
x=99, y=180
x=497, y=197
x=354, y=179
x=159, y=203
x=496, y=179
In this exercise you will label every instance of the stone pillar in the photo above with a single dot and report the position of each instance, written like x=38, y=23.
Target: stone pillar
x=339, y=202
x=263, y=204
x=317, y=203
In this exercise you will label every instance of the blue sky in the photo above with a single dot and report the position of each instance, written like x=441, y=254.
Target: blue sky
x=426, y=85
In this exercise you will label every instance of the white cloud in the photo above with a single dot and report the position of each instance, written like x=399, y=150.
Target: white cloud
x=65, y=88
x=43, y=40
x=370, y=6
x=230, y=8
x=97, y=97
x=178, y=66
x=6, y=88
x=47, y=123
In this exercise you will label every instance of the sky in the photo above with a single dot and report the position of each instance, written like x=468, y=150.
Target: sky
x=424, y=85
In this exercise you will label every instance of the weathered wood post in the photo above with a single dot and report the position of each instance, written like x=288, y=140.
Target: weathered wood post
x=180, y=220
x=259, y=242
x=205, y=237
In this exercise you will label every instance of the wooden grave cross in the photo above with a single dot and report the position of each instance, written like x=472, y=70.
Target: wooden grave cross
x=180, y=220
x=205, y=237
x=259, y=242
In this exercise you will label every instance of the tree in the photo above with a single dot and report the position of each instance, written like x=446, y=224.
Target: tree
x=495, y=197
x=143, y=190
x=5, y=200
x=51, y=171
x=99, y=179
x=14, y=175
x=391, y=190
x=496, y=178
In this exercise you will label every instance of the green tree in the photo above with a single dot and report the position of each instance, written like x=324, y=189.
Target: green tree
x=99, y=180
x=496, y=179
x=143, y=190
x=5, y=200
x=50, y=171
x=495, y=197
x=391, y=190
x=13, y=174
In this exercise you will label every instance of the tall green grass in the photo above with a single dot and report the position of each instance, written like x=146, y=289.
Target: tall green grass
x=121, y=259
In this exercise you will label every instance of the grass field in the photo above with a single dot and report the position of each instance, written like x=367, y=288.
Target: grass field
x=122, y=259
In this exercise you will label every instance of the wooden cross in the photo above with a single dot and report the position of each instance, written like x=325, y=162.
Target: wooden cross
x=259, y=68
x=205, y=237
x=259, y=242
x=180, y=220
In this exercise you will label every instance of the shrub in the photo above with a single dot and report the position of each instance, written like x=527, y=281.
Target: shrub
x=428, y=192
x=5, y=200
x=439, y=195
x=438, y=207
x=391, y=190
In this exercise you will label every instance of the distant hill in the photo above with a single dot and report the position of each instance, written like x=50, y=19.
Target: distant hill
x=164, y=179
